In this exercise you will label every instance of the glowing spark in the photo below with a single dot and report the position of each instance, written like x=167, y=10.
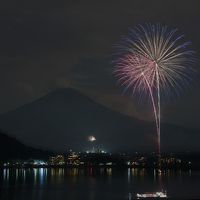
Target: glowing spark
x=153, y=60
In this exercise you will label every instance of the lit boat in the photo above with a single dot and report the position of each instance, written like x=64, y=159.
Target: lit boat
x=152, y=195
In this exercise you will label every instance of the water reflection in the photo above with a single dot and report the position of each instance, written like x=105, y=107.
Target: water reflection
x=109, y=171
x=6, y=173
x=134, y=172
x=24, y=175
x=190, y=172
x=129, y=175
x=92, y=182
x=40, y=175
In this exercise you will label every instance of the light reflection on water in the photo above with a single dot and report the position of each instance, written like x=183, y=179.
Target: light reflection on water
x=94, y=184
x=40, y=175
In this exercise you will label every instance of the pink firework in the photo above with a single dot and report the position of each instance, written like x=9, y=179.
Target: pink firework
x=154, y=60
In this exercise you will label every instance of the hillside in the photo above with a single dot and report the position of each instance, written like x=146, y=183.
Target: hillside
x=10, y=148
x=64, y=118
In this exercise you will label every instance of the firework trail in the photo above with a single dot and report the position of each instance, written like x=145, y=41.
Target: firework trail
x=154, y=60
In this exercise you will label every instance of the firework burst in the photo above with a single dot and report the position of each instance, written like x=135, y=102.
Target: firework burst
x=154, y=60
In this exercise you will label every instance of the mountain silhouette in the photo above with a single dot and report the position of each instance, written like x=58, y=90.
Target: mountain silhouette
x=10, y=148
x=64, y=118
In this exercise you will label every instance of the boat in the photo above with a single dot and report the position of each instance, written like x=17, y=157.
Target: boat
x=151, y=195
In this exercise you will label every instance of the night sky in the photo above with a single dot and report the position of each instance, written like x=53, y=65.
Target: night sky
x=45, y=45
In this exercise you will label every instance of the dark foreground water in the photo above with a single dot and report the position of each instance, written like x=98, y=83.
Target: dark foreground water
x=95, y=184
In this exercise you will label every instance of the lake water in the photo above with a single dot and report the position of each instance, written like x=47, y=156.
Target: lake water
x=95, y=184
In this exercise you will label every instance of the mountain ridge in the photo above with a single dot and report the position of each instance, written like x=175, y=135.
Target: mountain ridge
x=64, y=119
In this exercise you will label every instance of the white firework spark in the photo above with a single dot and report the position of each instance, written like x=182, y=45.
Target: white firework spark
x=154, y=60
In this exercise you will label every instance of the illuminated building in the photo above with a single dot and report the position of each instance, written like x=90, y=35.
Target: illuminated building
x=57, y=160
x=73, y=159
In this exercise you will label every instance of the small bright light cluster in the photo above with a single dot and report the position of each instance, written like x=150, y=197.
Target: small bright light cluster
x=91, y=138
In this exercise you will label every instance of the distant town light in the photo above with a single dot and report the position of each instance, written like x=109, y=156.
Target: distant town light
x=91, y=138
